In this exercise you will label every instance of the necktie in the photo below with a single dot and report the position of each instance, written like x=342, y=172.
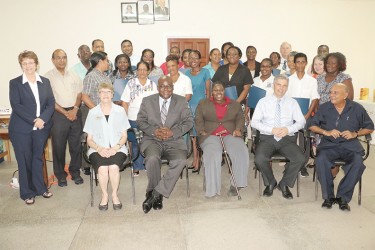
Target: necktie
x=278, y=118
x=284, y=65
x=164, y=112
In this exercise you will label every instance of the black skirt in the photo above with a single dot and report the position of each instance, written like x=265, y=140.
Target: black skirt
x=117, y=159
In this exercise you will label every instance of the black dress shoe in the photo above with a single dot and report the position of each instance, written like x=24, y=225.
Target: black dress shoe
x=158, y=204
x=343, y=205
x=148, y=203
x=86, y=171
x=285, y=191
x=328, y=203
x=268, y=191
x=77, y=180
x=62, y=183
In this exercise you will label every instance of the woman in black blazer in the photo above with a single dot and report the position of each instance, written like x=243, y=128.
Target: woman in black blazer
x=33, y=104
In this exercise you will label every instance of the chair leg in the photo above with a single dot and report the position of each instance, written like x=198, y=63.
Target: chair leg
x=298, y=182
x=360, y=191
x=314, y=173
x=92, y=185
x=260, y=183
x=316, y=188
x=255, y=172
x=204, y=179
x=187, y=181
x=133, y=183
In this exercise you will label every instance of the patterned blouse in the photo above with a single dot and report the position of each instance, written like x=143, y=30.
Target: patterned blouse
x=324, y=87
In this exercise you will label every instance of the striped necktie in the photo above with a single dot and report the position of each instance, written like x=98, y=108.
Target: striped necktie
x=164, y=112
x=284, y=65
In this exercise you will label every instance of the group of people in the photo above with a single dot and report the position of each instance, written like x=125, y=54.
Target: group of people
x=179, y=98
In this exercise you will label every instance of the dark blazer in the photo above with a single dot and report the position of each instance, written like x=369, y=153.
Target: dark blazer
x=23, y=105
x=257, y=68
x=206, y=119
x=179, y=120
x=159, y=11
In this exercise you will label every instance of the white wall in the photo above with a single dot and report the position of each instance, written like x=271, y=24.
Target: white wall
x=45, y=25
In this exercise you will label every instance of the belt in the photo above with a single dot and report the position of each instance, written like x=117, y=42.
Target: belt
x=69, y=108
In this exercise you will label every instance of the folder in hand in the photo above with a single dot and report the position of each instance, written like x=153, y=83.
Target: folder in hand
x=303, y=104
x=231, y=92
x=255, y=94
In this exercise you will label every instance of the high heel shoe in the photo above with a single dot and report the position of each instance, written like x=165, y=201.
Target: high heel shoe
x=103, y=207
x=196, y=170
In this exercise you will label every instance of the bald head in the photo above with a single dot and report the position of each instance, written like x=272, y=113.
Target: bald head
x=285, y=49
x=338, y=94
x=58, y=51
x=59, y=59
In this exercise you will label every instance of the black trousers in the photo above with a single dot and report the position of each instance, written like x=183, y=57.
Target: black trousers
x=287, y=147
x=29, y=149
x=63, y=132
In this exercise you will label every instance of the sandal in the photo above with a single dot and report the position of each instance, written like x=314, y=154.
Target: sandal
x=30, y=201
x=47, y=194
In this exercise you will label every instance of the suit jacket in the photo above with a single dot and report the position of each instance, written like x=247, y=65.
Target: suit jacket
x=257, y=68
x=206, y=119
x=23, y=105
x=179, y=120
x=159, y=11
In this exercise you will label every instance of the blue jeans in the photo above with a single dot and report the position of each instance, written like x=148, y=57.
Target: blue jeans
x=138, y=164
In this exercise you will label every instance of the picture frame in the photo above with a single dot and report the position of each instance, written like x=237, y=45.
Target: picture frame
x=146, y=12
x=129, y=12
x=161, y=10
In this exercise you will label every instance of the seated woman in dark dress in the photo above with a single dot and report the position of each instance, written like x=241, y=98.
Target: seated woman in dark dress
x=106, y=127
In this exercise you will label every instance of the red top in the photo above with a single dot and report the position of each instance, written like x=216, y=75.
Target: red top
x=221, y=110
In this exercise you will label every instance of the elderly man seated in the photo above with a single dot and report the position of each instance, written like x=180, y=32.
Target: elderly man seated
x=278, y=117
x=340, y=121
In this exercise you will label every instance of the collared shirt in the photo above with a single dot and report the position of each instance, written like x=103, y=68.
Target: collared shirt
x=161, y=101
x=34, y=89
x=303, y=88
x=264, y=115
x=106, y=134
x=267, y=84
x=353, y=118
x=120, y=83
x=65, y=87
x=210, y=69
x=91, y=84
x=80, y=70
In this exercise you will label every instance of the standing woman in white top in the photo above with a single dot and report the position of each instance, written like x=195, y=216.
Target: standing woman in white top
x=106, y=127
x=33, y=104
x=181, y=83
x=135, y=91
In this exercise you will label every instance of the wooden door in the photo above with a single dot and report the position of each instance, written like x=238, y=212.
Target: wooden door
x=201, y=44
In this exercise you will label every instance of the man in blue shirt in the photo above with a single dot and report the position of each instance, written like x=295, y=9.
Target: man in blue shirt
x=340, y=121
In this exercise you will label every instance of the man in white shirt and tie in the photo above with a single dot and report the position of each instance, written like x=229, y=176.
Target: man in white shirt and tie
x=285, y=49
x=278, y=118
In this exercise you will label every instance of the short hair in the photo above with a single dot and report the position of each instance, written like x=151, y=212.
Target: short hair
x=217, y=83
x=96, y=40
x=251, y=47
x=281, y=77
x=172, y=58
x=346, y=89
x=56, y=50
x=222, y=48
x=298, y=55
x=179, y=51
x=317, y=57
x=323, y=46
x=266, y=60
x=105, y=85
x=212, y=51
x=27, y=54
x=80, y=48
x=293, y=53
x=285, y=43
x=196, y=52
x=277, y=54
x=341, y=61
x=126, y=40
x=238, y=50
x=145, y=63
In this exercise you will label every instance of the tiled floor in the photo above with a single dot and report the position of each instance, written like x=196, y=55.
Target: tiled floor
x=67, y=221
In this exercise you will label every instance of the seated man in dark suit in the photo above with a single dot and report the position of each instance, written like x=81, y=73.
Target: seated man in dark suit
x=340, y=121
x=164, y=118
x=278, y=117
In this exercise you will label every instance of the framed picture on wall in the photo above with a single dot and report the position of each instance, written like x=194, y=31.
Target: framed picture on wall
x=145, y=12
x=161, y=10
x=129, y=12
